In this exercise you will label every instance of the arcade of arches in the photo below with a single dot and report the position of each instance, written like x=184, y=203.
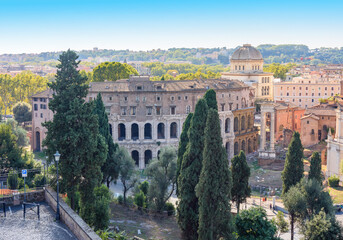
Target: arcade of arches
x=246, y=134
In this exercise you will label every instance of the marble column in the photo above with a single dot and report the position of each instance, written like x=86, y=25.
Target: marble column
x=263, y=131
x=272, y=130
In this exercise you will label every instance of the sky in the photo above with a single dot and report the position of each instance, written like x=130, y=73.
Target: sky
x=54, y=25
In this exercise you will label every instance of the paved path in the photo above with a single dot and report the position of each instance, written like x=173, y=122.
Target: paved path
x=15, y=227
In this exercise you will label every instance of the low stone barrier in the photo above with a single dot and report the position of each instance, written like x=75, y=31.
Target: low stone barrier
x=74, y=222
x=18, y=198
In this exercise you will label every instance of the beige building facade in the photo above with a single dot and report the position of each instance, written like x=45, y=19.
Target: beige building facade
x=305, y=92
x=145, y=115
x=246, y=65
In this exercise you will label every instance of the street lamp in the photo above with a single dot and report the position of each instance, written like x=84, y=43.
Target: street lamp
x=57, y=158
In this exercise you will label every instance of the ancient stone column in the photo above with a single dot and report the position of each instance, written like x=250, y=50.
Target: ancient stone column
x=272, y=130
x=263, y=131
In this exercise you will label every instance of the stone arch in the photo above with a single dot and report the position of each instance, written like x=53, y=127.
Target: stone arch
x=147, y=131
x=243, y=123
x=235, y=148
x=227, y=125
x=173, y=130
x=134, y=131
x=243, y=146
x=121, y=131
x=147, y=157
x=110, y=129
x=161, y=131
x=249, y=146
x=135, y=156
x=37, y=135
x=227, y=148
x=249, y=122
x=235, y=124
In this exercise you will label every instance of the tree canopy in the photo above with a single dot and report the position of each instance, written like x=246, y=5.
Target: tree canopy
x=112, y=71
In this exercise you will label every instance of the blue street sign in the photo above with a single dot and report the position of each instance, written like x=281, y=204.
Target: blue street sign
x=24, y=173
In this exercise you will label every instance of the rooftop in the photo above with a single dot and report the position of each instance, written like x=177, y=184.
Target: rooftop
x=247, y=52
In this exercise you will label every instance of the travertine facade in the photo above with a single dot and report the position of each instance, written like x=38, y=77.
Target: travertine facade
x=146, y=115
x=246, y=65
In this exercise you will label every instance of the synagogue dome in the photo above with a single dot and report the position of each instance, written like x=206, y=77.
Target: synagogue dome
x=247, y=52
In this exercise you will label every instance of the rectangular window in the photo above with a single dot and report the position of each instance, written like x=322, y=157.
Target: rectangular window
x=35, y=107
x=42, y=106
x=41, y=115
x=123, y=111
x=223, y=107
x=139, y=88
x=42, y=99
x=35, y=99
x=149, y=111
x=144, y=99
x=173, y=110
x=158, y=110
x=110, y=98
x=133, y=111
x=125, y=99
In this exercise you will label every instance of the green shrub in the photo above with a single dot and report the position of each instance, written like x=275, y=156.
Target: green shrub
x=140, y=199
x=12, y=181
x=77, y=201
x=144, y=186
x=333, y=181
x=101, y=215
x=120, y=199
x=39, y=180
x=169, y=207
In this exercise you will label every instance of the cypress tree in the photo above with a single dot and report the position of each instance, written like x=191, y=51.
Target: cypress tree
x=214, y=188
x=240, y=179
x=211, y=99
x=294, y=166
x=315, y=168
x=182, y=147
x=190, y=172
x=74, y=131
x=110, y=169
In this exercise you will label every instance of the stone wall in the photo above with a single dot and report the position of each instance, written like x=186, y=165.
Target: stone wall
x=16, y=199
x=74, y=222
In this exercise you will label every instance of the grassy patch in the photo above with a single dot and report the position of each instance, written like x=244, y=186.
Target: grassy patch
x=336, y=194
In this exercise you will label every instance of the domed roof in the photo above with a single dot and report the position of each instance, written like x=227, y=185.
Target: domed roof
x=247, y=52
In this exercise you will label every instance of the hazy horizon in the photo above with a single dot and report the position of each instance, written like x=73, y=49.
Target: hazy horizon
x=57, y=25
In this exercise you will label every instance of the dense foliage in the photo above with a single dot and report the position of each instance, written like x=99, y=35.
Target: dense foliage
x=22, y=112
x=215, y=183
x=253, y=224
x=316, y=168
x=112, y=71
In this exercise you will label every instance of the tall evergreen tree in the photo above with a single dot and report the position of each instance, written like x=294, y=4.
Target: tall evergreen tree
x=74, y=131
x=294, y=166
x=211, y=99
x=316, y=168
x=110, y=169
x=182, y=147
x=214, y=187
x=240, y=179
x=190, y=172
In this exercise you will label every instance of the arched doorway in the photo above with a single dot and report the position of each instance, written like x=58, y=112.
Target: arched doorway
x=243, y=146
x=135, y=157
x=235, y=124
x=147, y=157
x=134, y=131
x=110, y=128
x=147, y=131
x=235, y=150
x=243, y=123
x=121, y=132
x=173, y=130
x=38, y=141
x=160, y=131
x=227, y=148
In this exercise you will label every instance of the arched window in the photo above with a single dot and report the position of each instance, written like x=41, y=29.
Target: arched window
x=227, y=125
x=243, y=146
x=249, y=122
x=147, y=157
x=235, y=150
x=239, y=67
x=312, y=131
x=134, y=131
x=110, y=129
x=173, y=130
x=235, y=67
x=147, y=131
x=262, y=79
x=243, y=67
x=160, y=131
x=235, y=124
x=243, y=123
x=135, y=156
x=121, y=132
x=188, y=109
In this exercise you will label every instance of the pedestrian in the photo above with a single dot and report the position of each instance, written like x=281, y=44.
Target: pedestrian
x=270, y=206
